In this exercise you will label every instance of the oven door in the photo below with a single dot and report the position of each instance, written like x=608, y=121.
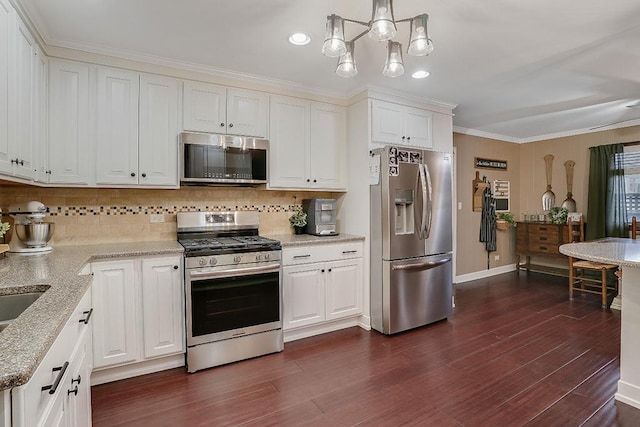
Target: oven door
x=232, y=301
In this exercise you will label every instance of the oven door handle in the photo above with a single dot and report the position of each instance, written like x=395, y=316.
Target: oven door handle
x=235, y=272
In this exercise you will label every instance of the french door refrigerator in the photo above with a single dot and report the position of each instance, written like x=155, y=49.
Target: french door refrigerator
x=411, y=238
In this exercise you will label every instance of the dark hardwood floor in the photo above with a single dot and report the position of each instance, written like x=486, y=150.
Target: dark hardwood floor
x=516, y=352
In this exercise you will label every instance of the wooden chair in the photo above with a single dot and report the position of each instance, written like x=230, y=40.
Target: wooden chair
x=587, y=276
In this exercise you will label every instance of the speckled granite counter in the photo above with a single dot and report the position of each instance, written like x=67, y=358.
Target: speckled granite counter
x=624, y=252
x=292, y=240
x=24, y=343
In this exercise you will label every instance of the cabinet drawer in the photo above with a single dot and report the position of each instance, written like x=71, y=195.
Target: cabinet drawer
x=544, y=239
x=321, y=253
x=544, y=229
x=542, y=248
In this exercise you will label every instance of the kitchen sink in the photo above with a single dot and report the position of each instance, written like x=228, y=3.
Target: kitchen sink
x=12, y=305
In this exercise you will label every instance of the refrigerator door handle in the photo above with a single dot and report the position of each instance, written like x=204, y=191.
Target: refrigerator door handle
x=428, y=204
x=421, y=179
x=422, y=265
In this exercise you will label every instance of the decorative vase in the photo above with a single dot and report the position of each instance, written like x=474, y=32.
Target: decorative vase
x=298, y=230
x=502, y=224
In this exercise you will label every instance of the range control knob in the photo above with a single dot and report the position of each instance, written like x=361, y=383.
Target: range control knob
x=267, y=256
x=202, y=261
x=213, y=261
x=237, y=258
x=259, y=257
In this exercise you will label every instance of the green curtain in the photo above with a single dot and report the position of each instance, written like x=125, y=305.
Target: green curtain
x=606, y=211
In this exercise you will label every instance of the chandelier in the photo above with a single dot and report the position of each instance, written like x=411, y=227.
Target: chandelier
x=381, y=27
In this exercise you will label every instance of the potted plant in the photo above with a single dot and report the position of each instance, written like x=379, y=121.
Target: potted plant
x=298, y=219
x=503, y=219
x=558, y=215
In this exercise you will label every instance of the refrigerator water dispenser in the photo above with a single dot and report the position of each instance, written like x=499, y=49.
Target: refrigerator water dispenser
x=404, y=212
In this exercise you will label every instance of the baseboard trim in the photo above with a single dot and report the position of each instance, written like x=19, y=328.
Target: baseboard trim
x=484, y=273
x=107, y=375
x=628, y=393
x=309, y=331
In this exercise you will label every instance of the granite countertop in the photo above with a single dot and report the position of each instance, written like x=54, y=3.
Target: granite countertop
x=292, y=240
x=24, y=343
x=620, y=251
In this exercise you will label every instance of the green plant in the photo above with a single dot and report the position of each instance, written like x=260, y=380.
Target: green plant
x=298, y=218
x=558, y=215
x=4, y=226
x=506, y=216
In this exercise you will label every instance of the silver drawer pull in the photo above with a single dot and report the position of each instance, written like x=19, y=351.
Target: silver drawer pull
x=301, y=256
x=349, y=252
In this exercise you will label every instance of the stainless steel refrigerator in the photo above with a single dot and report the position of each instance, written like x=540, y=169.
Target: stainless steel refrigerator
x=411, y=238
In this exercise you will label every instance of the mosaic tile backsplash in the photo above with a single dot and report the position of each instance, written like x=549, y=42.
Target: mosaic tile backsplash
x=88, y=215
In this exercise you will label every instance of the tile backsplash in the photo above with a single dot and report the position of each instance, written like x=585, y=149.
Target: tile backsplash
x=92, y=215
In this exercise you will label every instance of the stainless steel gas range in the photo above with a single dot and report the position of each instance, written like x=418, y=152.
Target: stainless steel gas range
x=233, y=288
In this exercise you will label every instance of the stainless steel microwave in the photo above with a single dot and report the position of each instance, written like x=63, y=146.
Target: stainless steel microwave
x=208, y=159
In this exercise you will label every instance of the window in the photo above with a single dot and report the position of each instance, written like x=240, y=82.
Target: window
x=631, y=166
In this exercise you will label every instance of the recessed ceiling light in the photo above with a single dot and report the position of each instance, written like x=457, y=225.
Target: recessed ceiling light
x=299, y=39
x=420, y=74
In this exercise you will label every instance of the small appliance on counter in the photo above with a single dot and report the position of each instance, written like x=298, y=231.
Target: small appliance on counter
x=321, y=216
x=30, y=233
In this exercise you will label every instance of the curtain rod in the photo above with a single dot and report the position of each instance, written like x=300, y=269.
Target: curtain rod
x=629, y=144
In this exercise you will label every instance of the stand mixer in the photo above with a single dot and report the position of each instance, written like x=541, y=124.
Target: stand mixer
x=30, y=233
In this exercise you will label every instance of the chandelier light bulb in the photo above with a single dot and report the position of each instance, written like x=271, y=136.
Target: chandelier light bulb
x=347, y=63
x=393, y=67
x=382, y=27
x=334, y=44
x=420, y=44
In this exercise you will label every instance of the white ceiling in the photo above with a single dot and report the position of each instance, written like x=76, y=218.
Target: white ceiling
x=519, y=71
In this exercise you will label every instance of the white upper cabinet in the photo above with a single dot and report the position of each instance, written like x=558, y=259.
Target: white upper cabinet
x=328, y=143
x=401, y=125
x=307, y=144
x=217, y=109
x=289, y=142
x=40, y=146
x=137, y=129
x=69, y=144
x=7, y=61
x=22, y=142
x=117, y=126
x=158, y=143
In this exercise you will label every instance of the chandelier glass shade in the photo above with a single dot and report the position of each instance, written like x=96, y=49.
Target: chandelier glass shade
x=382, y=27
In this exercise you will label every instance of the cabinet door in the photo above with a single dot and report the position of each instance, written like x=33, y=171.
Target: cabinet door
x=387, y=122
x=418, y=127
x=117, y=127
x=328, y=144
x=303, y=295
x=69, y=147
x=115, y=325
x=344, y=288
x=204, y=107
x=77, y=391
x=57, y=416
x=7, y=87
x=22, y=147
x=162, y=306
x=158, y=145
x=40, y=145
x=247, y=113
x=289, y=143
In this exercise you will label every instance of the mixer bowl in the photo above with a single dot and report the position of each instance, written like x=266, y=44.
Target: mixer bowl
x=34, y=235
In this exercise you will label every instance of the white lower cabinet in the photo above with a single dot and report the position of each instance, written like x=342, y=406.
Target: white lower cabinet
x=59, y=392
x=139, y=316
x=322, y=287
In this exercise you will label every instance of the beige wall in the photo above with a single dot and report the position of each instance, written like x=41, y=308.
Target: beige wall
x=527, y=174
x=471, y=254
x=84, y=215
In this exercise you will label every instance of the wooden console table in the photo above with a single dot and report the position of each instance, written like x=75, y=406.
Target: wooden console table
x=541, y=239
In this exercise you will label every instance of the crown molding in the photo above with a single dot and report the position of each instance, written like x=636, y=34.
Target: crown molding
x=488, y=135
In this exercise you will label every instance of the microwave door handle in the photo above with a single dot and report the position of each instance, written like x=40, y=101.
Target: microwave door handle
x=428, y=205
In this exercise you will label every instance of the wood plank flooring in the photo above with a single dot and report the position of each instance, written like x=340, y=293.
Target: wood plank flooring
x=516, y=352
